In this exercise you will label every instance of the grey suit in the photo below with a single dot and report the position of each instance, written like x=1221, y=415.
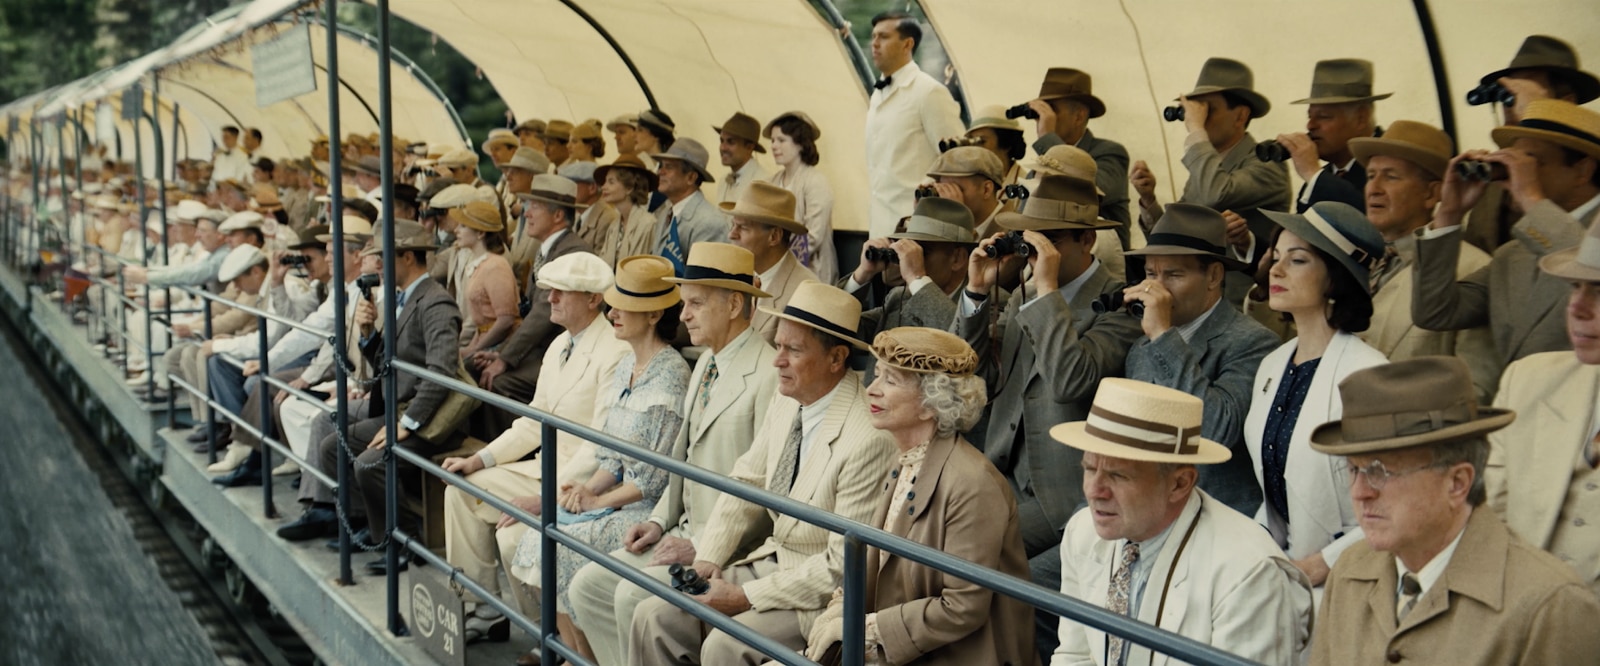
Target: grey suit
x=1111, y=176
x=1218, y=365
x=524, y=348
x=883, y=309
x=700, y=222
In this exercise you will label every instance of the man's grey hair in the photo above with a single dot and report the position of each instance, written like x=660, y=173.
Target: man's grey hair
x=956, y=401
x=1474, y=451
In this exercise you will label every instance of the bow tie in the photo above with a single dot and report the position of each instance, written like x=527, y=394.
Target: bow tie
x=883, y=82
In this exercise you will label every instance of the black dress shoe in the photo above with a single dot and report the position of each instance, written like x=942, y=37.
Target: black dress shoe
x=246, y=474
x=380, y=566
x=198, y=436
x=158, y=395
x=361, y=540
x=316, y=523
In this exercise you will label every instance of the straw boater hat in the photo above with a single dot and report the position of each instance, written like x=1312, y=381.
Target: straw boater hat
x=1339, y=230
x=825, y=308
x=357, y=230
x=993, y=117
x=553, y=189
x=924, y=351
x=1421, y=144
x=1341, y=81
x=765, y=203
x=691, y=153
x=1557, y=121
x=969, y=161
x=478, y=215
x=640, y=287
x=721, y=265
x=527, y=159
x=743, y=127
x=938, y=220
x=630, y=120
x=1133, y=420
x=1425, y=400
x=576, y=271
x=1544, y=52
x=816, y=132
x=530, y=125
x=1068, y=83
x=631, y=162
x=1224, y=75
x=239, y=261
x=502, y=136
x=308, y=238
x=1581, y=263
x=558, y=129
x=1190, y=229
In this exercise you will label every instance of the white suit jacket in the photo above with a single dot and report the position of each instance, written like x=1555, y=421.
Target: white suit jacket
x=572, y=392
x=905, y=122
x=1231, y=588
x=1320, y=515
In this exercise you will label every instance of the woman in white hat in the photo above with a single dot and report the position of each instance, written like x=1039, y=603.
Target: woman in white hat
x=491, y=292
x=644, y=406
x=794, y=147
x=945, y=494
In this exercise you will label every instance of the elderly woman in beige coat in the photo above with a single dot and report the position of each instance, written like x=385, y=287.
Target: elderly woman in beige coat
x=944, y=494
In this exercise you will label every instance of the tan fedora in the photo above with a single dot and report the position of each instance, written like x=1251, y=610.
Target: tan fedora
x=1581, y=263
x=993, y=117
x=1069, y=161
x=1133, y=420
x=1418, y=143
x=1424, y=400
x=553, y=189
x=925, y=351
x=558, y=130
x=816, y=131
x=744, y=127
x=768, y=204
x=458, y=158
x=478, y=215
x=640, y=287
x=1342, y=81
x=409, y=236
x=721, y=265
x=501, y=136
x=527, y=159
x=1545, y=52
x=1057, y=203
x=357, y=230
x=1225, y=75
x=969, y=161
x=631, y=162
x=938, y=220
x=1557, y=121
x=1068, y=83
x=1193, y=230
x=691, y=153
x=533, y=125
x=825, y=308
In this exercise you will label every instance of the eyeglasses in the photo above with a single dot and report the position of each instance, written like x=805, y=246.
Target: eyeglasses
x=1379, y=475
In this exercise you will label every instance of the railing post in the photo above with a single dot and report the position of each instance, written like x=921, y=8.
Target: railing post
x=205, y=410
x=267, y=508
x=341, y=297
x=166, y=252
x=547, y=545
x=391, y=418
x=853, y=640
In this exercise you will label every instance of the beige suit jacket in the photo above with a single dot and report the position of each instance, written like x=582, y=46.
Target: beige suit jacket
x=597, y=224
x=1394, y=333
x=1531, y=461
x=784, y=283
x=840, y=474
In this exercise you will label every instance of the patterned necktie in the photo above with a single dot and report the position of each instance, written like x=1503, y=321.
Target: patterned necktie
x=673, y=249
x=1117, y=600
x=1390, y=264
x=1410, y=589
x=782, y=480
x=706, y=380
x=566, y=354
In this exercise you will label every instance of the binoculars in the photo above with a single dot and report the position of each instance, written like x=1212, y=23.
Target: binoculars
x=1022, y=111
x=294, y=260
x=1490, y=92
x=883, y=255
x=687, y=580
x=1172, y=114
x=1271, y=151
x=366, y=283
x=1482, y=171
x=1009, y=244
x=1115, y=301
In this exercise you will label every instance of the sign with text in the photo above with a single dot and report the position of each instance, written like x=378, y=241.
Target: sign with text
x=282, y=66
x=437, y=617
x=132, y=103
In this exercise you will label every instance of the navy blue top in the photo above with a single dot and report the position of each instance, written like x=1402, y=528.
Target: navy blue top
x=1280, y=429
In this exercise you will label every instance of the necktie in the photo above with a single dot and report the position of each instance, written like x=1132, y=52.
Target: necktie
x=1339, y=172
x=1410, y=589
x=706, y=380
x=673, y=249
x=1390, y=264
x=782, y=480
x=883, y=82
x=566, y=354
x=399, y=304
x=1117, y=600
x=1591, y=453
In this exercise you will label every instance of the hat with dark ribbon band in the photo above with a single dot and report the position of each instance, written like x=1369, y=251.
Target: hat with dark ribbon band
x=1193, y=230
x=1134, y=420
x=721, y=265
x=639, y=287
x=1339, y=230
x=1557, y=121
x=825, y=308
x=1425, y=400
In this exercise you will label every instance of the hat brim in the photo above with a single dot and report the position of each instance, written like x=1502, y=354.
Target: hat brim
x=1076, y=435
x=1585, y=87
x=1507, y=135
x=616, y=299
x=1295, y=225
x=1259, y=106
x=556, y=202
x=1342, y=100
x=730, y=285
x=601, y=171
x=930, y=238
x=787, y=224
x=757, y=141
x=1178, y=250
x=472, y=223
x=1014, y=221
x=852, y=339
x=1097, y=108
x=359, y=239
x=1329, y=438
x=704, y=175
x=1365, y=148
x=1564, y=264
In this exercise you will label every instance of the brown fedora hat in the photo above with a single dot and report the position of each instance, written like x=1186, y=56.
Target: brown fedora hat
x=640, y=286
x=1425, y=400
x=1069, y=161
x=925, y=350
x=721, y=265
x=744, y=127
x=1225, y=75
x=1342, y=81
x=557, y=130
x=631, y=162
x=1581, y=263
x=527, y=159
x=1557, y=121
x=1068, y=83
x=1546, y=52
x=1057, y=203
x=1134, y=420
x=938, y=220
x=767, y=204
x=1190, y=229
x=1419, y=143
x=478, y=215
x=826, y=308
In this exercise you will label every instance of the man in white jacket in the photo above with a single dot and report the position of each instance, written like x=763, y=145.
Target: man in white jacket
x=908, y=114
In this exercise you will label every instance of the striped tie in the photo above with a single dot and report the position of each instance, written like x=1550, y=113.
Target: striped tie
x=1117, y=601
x=1410, y=589
x=706, y=380
x=788, y=468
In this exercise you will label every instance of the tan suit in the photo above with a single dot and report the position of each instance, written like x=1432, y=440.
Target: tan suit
x=1399, y=338
x=597, y=224
x=790, y=273
x=1499, y=602
x=790, y=577
x=713, y=439
x=1537, y=478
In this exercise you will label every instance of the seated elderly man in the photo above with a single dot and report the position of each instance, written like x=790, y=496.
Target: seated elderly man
x=1196, y=343
x=764, y=224
x=574, y=370
x=1438, y=579
x=734, y=382
x=816, y=445
x=186, y=358
x=1155, y=547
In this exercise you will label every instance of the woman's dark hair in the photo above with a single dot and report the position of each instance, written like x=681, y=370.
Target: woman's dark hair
x=596, y=146
x=281, y=216
x=667, y=325
x=1352, y=302
x=636, y=182
x=803, y=136
x=663, y=136
x=260, y=238
x=1012, y=142
x=495, y=241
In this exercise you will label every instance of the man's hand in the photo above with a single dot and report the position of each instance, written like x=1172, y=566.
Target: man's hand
x=379, y=440
x=135, y=274
x=868, y=268
x=1046, y=123
x=707, y=570
x=725, y=597
x=1303, y=152
x=673, y=550
x=983, y=270
x=297, y=384
x=1459, y=194
x=948, y=191
x=1157, y=306
x=1314, y=568
x=366, y=316
x=182, y=331
x=641, y=536
x=1144, y=182
x=279, y=271
x=912, y=267
x=481, y=360
x=251, y=368
x=1046, y=262
x=488, y=373
x=1194, y=115
x=462, y=466
x=529, y=503
x=206, y=347
x=1522, y=172
x=1238, y=232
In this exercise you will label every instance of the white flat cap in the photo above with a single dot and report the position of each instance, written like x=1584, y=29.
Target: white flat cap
x=578, y=271
x=239, y=260
x=189, y=209
x=238, y=221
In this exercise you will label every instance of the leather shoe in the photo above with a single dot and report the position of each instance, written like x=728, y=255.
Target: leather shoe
x=528, y=659
x=361, y=540
x=247, y=474
x=380, y=566
x=317, y=522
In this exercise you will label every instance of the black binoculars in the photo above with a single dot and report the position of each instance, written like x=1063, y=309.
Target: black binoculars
x=687, y=580
x=366, y=283
x=1022, y=111
x=1490, y=92
x=1271, y=151
x=1009, y=244
x=294, y=260
x=1482, y=171
x=1115, y=301
x=1172, y=113
x=926, y=191
x=883, y=255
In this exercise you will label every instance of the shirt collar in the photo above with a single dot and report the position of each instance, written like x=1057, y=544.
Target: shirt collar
x=770, y=275
x=748, y=171
x=544, y=248
x=812, y=413
x=734, y=345
x=1434, y=568
x=1070, y=290
x=1406, y=247
x=677, y=208
x=1588, y=207
x=413, y=287
x=1150, y=549
x=902, y=77
x=1186, y=331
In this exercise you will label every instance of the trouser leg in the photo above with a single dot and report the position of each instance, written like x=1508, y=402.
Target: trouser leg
x=325, y=455
x=603, y=604
x=527, y=596
x=227, y=386
x=469, y=524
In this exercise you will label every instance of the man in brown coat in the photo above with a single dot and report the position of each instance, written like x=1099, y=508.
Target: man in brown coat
x=1437, y=581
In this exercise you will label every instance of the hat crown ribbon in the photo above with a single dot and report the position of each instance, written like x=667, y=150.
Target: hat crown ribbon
x=1184, y=240
x=1559, y=128
x=820, y=322
x=1344, y=244
x=1141, y=434
x=693, y=272
x=1350, y=89
x=643, y=294
x=1405, y=424
x=922, y=224
x=1040, y=208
